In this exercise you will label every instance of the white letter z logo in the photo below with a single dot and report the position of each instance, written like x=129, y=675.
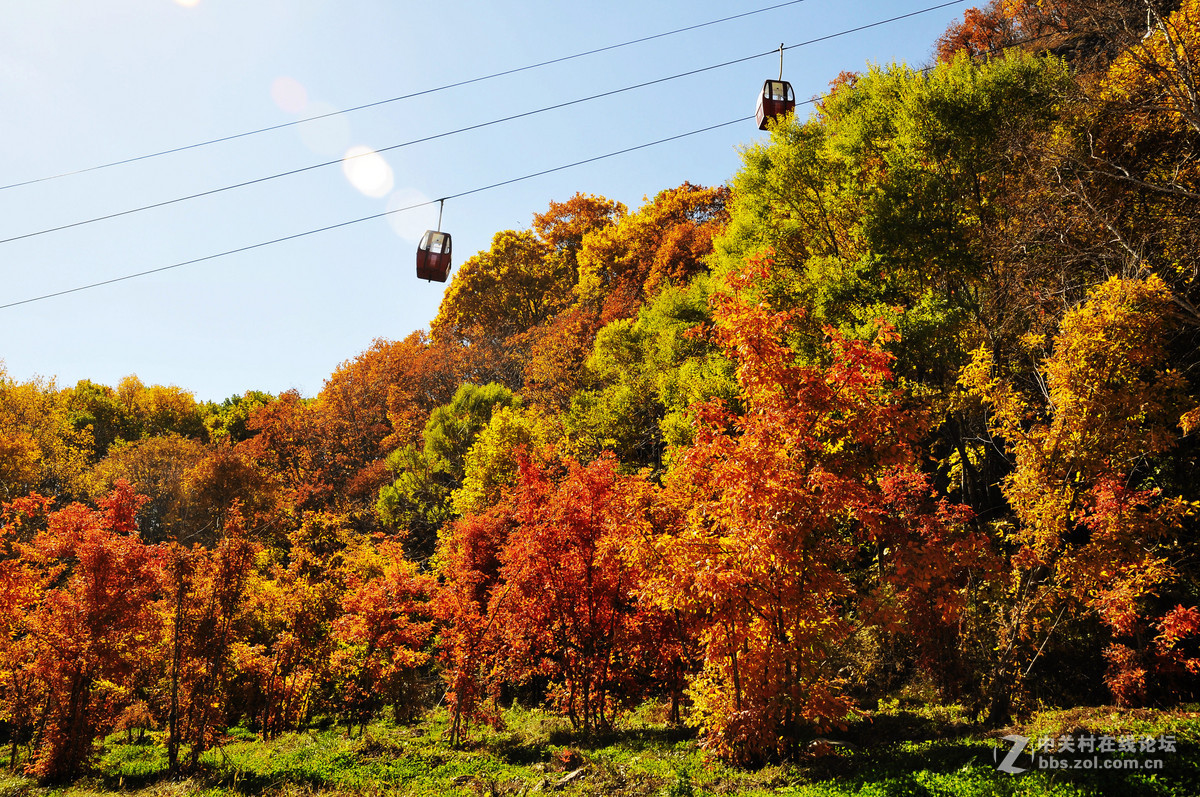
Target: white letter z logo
x=1018, y=744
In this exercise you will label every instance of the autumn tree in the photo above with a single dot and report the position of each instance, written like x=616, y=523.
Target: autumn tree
x=229, y=420
x=906, y=198
x=22, y=589
x=281, y=666
x=564, y=225
x=41, y=447
x=778, y=497
x=97, y=409
x=94, y=625
x=383, y=631
x=982, y=32
x=202, y=610
x=226, y=486
x=491, y=466
x=468, y=562
x=644, y=375
x=431, y=373
x=160, y=409
x=1087, y=32
x=1129, y=170
x=157, y=468
x=666, y=241
x=555, y=371
x=327, y=453
x=513, y=286
x=287, y=444
x=1093, y=532
x=356, y=426
x=568, y=609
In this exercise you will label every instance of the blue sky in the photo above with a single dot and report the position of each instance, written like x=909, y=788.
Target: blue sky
x=87, y=83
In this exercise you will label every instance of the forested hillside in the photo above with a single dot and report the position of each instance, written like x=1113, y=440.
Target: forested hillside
x=911, y=402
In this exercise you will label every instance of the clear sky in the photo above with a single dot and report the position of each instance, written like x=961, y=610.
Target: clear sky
x=88, y=82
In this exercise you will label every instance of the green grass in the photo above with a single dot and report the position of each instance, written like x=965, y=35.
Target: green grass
x=901, y=751
x=1184, y=722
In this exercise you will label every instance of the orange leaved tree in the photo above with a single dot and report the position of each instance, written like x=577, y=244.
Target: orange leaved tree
x=781, y=497
x=568, y=608
x=383, y=631
x=94, y=626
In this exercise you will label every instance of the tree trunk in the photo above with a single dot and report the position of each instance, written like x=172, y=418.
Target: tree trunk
x=176, y=658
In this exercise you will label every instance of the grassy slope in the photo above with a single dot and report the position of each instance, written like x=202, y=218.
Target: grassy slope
x=902, y=752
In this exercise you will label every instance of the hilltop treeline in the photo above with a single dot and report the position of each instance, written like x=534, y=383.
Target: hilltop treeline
x=912, y=401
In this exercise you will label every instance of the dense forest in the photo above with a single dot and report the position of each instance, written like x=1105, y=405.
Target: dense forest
x=912, y=400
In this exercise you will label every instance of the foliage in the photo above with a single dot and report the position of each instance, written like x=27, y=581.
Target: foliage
x=509, y=289
x=885, y=204
x=778, y=498
x=383, y=630
x=666, y=242
x=419, y=500
x=1088, y=532
x=156, y=466
x=94, y=614
x=41, y=447
x=203, y=608
x=230, y=420
x=565, y=606
x=646, y=374
x=491, y=465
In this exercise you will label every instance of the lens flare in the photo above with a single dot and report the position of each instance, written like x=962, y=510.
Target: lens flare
x=368, y=171
x=289, y=94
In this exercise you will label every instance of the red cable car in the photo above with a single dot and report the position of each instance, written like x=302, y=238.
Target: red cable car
x=433, y=253
x=775, y=102
x=433, y=256
x=776, y=99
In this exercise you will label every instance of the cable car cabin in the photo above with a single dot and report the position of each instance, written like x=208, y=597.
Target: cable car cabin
x=433, y=256
x=775, y=101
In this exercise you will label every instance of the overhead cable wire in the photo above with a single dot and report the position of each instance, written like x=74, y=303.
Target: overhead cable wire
x=873, y=25
x=478, y=126
x=421, y=140
x=410, y=96
x=529, y=176
x=339, y=225
x=460, y=194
